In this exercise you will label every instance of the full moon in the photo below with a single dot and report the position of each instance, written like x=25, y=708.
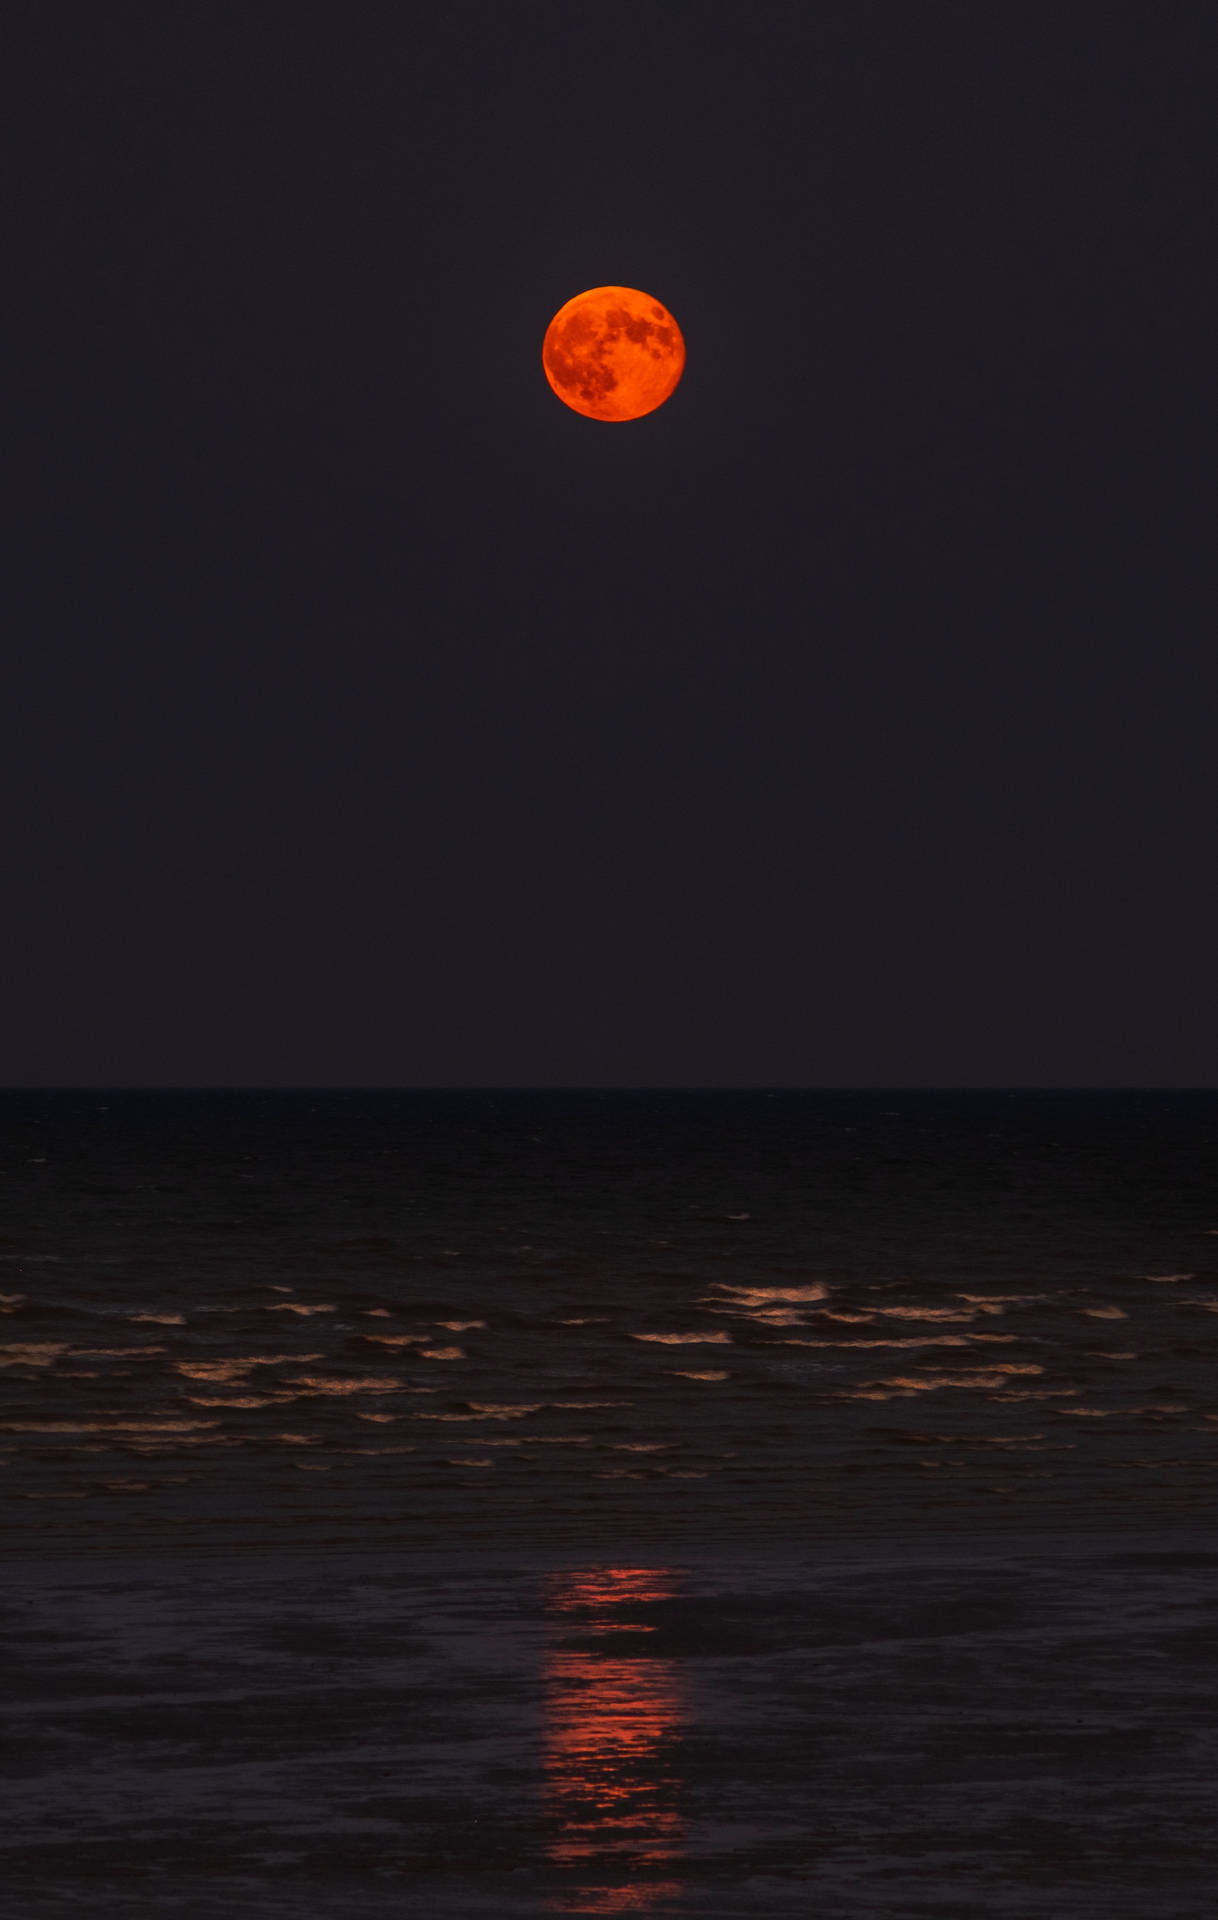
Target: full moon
x=613, y=353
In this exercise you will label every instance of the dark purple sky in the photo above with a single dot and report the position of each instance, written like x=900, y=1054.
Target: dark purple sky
x=371, y=718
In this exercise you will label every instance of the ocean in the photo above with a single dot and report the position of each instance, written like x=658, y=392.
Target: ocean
x=603, y=1501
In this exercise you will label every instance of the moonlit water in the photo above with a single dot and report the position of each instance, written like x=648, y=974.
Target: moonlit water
x=576, y=1502
x=528, y=1316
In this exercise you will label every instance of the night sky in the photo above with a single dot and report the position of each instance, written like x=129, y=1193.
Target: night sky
x=371, y=718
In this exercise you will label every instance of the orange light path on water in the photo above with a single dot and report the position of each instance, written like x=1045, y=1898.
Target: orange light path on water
x=610, y=1784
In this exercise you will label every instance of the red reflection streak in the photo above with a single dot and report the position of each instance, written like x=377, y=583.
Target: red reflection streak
x=609, y=1782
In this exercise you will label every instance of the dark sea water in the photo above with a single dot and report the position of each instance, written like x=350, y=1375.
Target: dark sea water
x=542, y=1502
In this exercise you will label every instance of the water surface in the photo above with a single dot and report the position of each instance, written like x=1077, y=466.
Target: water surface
x=604, y=1502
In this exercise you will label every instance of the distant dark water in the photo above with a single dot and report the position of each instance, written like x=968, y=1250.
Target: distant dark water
x=453, y=1318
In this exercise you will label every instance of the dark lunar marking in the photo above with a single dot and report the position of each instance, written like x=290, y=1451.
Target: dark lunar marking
x=636, y=330
x=576, y=360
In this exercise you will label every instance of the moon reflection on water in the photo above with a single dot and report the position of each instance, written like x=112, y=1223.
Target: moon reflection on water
x=612, y=1789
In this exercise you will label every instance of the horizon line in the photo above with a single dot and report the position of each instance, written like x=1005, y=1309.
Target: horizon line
x=601, y=1087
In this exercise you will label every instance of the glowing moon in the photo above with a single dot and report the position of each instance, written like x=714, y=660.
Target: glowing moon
x=613, y=353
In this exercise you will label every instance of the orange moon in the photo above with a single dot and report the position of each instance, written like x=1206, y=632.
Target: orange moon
x=613, y=353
